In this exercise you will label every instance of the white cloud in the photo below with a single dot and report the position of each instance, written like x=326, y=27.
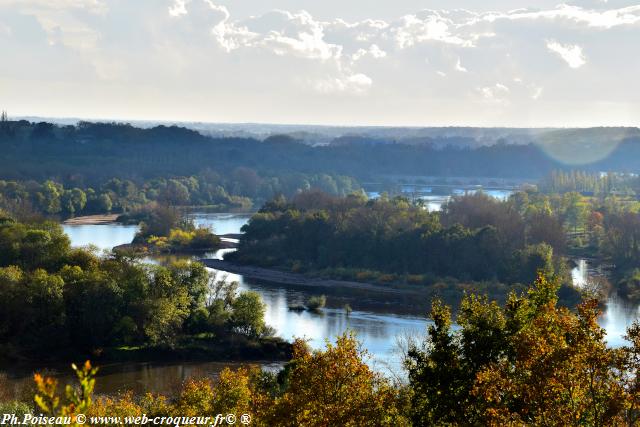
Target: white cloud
x=433, y=27
x=246, y=53
x=459, y=67
x=593, y=18
x=307, y=42
x=374, y=52
x=537, y=93
x=355, y=83
x=178, y=8
x=231, y=36
x=496, y=93
x=571, y=54
x=93, y=6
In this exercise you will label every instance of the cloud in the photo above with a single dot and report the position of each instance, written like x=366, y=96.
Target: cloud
x=231, y=36
x=370, y=66
x=374, y=52
x=537, y=93
x=571, y=54
x=459, y=67
x=592, y=18
x=93, y=6
x=302, y=36
x=178, y=8
x=356, y=83
x=430, y=26
x=496, y=93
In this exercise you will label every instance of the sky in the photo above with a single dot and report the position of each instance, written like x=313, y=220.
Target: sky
x=337, y=62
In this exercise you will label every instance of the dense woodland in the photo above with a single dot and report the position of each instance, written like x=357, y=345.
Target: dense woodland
x=475, y=238
x=595, y=184
x=89, y=154
x=242, y=190
x=56, y=300
x=103, y=167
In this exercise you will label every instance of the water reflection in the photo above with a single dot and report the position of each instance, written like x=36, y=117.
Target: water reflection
x=617, y=315
x=377, y=322
x=104, y=236
x=378, y=332
x=434, y=200
x=139, y=378
x=374, y=326
x=221, y=223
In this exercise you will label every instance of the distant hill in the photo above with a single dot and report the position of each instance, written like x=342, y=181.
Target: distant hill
x=98, y=151
x=458, y=136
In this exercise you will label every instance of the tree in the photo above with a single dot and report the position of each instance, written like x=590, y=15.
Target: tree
x=336, y=387
x=529, y=363
x=248, y=314
x=175, y=193
x=436, y=375
x=575, y=210
x=104, y=203
x=51, y=197
x=73, y=201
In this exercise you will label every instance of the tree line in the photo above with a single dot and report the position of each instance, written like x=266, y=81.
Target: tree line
x=89, y=154
x=589, y=183
x=475, y=238
x=239, y=191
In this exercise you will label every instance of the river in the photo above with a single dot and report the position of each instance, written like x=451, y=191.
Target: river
x=380, y=325
x=434, y=197
x=377, y=325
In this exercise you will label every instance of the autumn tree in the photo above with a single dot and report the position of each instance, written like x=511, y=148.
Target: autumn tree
x=336, y=387
x=529, y=363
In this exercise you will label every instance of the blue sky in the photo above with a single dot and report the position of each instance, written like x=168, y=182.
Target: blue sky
x=403, y=62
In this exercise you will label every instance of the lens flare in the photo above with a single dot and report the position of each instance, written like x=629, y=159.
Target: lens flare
x=583, y=146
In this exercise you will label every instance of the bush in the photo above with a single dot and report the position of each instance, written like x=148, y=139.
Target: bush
x=316, y=303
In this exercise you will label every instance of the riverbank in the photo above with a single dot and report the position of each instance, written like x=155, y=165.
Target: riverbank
x=194, y=348
x=287, y=278
x=93, y=219
x=232, y=348
x=412, y=296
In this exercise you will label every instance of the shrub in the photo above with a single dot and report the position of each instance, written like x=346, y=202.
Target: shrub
x=316, y=302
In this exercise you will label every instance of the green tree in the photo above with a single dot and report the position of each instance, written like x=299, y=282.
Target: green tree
x=248, y=314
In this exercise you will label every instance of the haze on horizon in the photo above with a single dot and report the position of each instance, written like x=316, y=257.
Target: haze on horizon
x=422, y=63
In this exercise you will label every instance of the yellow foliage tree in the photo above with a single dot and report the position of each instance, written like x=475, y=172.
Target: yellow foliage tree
x=336, y=387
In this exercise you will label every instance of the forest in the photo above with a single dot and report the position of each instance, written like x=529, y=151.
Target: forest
x=476, y=238
x=58, y=302
x=475, y=242
x=243, y=190
x=90, y=154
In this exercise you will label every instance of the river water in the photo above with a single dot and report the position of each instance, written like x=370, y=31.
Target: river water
x=380, y=325
x=377, y=325
x=434, y=198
